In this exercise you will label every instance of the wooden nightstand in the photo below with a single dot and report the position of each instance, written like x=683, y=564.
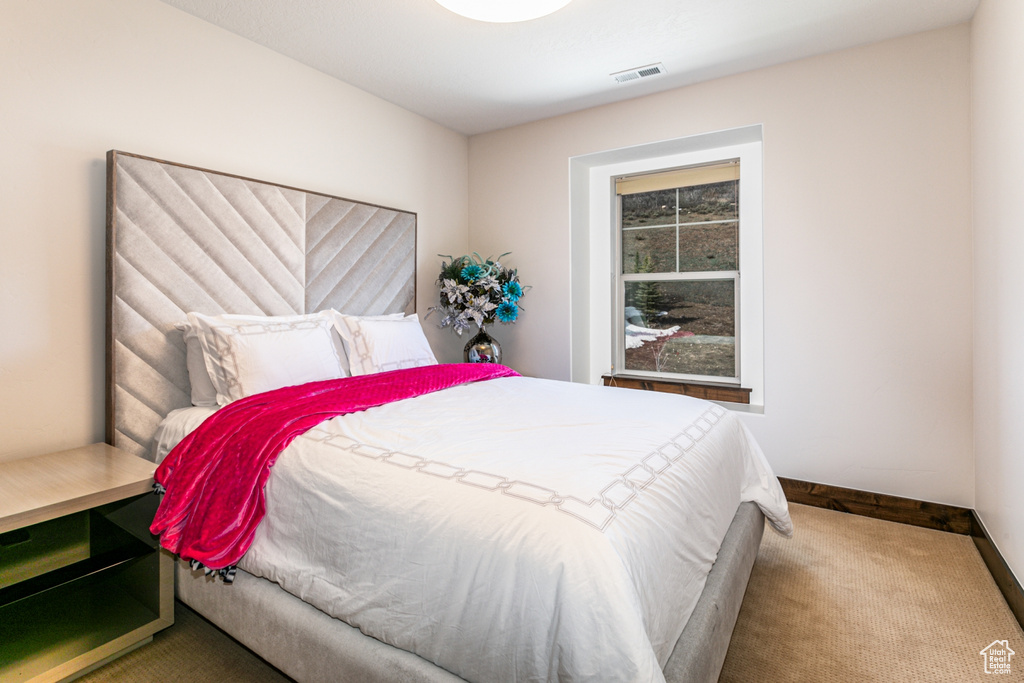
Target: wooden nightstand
x=82, y=581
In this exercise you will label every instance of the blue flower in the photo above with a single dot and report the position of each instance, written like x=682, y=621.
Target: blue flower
x=472, y=273
x=507, y=312
x=512, y=290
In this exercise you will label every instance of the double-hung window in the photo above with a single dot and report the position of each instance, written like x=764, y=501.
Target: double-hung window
x=677, y=309
x=667, y=268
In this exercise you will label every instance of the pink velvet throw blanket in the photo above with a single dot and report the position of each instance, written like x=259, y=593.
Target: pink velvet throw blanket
x=214, y=479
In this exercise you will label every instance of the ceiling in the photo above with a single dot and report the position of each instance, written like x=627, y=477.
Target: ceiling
x=475, y=77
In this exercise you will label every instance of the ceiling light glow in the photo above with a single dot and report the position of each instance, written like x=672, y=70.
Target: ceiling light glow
x=503, y=11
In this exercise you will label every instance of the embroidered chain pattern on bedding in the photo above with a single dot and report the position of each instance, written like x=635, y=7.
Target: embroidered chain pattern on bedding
x=597, y=512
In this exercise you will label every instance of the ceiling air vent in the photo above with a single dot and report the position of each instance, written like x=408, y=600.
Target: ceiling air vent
x=639, y=72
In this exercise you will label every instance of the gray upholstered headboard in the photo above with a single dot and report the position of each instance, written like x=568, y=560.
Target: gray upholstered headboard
x=183, y=239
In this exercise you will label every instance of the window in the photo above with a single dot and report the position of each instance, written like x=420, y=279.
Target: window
x=678, y=272
x=599, y=183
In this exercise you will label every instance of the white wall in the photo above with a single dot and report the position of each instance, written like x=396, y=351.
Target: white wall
x=867, y=252
x=80, y=78
x=997, y=62
x=867, y=215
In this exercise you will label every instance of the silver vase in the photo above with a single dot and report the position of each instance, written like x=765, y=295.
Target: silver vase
x=482, y=349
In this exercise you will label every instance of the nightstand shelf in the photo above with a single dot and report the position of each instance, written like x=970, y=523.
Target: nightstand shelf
x=81, y=579
x=125, y=548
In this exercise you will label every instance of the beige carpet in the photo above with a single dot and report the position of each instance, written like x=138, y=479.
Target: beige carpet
x=856, y=599
x=846, y=599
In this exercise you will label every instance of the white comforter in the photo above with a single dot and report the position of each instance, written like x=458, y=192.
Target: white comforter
x=515, y=529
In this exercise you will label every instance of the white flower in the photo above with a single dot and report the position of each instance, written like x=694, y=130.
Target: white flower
x=489, y=283
x=460, y=324
x=453, y=291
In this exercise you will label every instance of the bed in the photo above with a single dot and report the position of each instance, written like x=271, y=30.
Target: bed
x=183, y=239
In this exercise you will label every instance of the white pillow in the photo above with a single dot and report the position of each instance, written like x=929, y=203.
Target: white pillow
x=339, y=325
x=246, y=355
x=203, y=392
x=376, y=344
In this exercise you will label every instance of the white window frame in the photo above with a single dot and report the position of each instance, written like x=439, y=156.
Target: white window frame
x=619, y=304
x=595, y=235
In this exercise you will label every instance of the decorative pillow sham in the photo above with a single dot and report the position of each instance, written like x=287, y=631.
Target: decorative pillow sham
x=204, y=394
x=339, y=325
x=379, y=343
x=246, y=355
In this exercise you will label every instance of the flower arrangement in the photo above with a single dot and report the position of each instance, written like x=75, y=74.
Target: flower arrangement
x=478, y=290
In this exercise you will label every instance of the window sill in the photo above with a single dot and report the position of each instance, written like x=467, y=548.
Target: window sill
x=708, y=392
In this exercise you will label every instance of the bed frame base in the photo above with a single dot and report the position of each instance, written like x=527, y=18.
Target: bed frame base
x=312, y=647
x=700, y=651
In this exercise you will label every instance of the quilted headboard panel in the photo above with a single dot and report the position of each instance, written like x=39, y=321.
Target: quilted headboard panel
x=183, y=239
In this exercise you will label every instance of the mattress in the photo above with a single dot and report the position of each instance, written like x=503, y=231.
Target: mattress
x=514, y=529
